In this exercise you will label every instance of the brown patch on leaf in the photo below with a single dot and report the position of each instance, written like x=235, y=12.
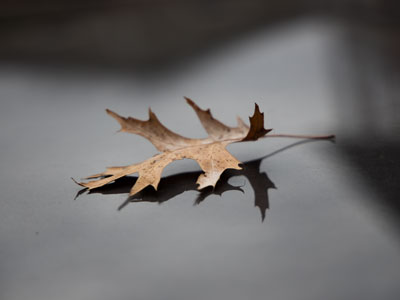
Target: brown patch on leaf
x=257, y=129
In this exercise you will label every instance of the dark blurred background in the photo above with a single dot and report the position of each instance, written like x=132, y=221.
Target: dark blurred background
x=149, y=33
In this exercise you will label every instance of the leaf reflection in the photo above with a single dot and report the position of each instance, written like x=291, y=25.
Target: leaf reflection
x=174, y=185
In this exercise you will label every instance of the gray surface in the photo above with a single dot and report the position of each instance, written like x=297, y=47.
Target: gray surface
x=323, y=236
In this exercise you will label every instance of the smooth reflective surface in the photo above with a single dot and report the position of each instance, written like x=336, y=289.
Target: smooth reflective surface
x=329, y=230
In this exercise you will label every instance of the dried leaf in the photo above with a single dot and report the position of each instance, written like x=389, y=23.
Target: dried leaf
x=210, y=152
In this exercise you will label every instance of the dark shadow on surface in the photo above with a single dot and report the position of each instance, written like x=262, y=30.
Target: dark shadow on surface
x=379, y=165
x=174, y=185
x=366, y=82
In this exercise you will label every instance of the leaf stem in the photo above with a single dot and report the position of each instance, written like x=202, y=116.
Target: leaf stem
x=299, y=136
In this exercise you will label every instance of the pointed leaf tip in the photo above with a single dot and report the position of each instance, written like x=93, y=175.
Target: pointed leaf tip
x=191, y=103
x=152, y=115
x=112, y=114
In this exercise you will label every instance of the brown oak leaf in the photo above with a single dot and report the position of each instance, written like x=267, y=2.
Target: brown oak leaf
x=210, y=153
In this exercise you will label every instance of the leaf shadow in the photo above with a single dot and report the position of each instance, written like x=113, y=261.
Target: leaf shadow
x=174, y=185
